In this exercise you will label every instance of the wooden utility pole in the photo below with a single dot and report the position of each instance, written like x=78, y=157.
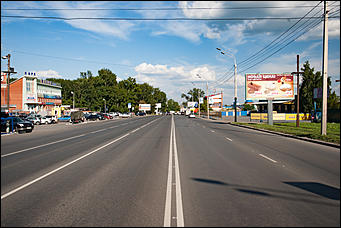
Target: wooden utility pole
x=8, y=77
x=298, y=91
x=324, y=72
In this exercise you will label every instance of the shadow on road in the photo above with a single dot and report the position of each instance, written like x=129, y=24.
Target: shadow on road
x=323, y=190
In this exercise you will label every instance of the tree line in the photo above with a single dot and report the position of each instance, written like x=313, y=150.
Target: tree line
x=96, y=92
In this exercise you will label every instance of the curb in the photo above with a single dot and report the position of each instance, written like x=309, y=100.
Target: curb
x=291, y=136
x=283, y=134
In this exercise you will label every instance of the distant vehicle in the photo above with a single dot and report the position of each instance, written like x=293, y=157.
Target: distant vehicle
x=140, y=114
x=17, y=123
x=44, y=120
x=124, y=115
x=52, y=119
x=93, y=117
x=107, y=116
x=191, y=115
x=77, y=117
x=65, y=118
x=34, y=120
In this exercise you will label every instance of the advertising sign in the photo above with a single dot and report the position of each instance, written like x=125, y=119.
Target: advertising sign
x=201, y=100
x=144, y=107
x=3, y=80
x=158, y=105
x=191, y=104
x=264, y=86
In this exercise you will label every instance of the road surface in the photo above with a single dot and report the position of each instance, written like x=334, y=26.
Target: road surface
x=166, y=171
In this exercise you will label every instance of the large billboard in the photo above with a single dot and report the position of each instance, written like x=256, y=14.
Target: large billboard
x=264, y=86
x=144, y=107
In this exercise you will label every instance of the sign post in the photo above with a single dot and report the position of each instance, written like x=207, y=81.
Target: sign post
x=270, y=113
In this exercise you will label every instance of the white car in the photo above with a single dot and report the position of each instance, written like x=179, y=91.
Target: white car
x=191, y=115
x=44, y=120
x=124, y=115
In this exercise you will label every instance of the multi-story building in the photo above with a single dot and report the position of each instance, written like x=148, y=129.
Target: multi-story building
x=30, y=94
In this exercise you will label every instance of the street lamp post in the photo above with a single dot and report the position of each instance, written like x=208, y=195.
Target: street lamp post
x=235, y=81
x=73, y=100
x=208, y=110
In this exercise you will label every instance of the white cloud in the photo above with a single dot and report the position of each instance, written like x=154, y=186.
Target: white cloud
x=174, y=80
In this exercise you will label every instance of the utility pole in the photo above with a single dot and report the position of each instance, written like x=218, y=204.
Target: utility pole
x=325, y=70
x=235, y=90
x=298, y=92
x=9, y=71
x=8, y=76
x=208, y=106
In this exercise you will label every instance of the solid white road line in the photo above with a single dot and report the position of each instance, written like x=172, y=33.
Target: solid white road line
x=228, y=139
x=63, y=166
x=179, y=208
x=62, y=140
x=168, y=204
x=31, y=148
x=267, y=158
x=178, y=198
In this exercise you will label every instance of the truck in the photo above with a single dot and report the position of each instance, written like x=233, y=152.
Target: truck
x=77, y=117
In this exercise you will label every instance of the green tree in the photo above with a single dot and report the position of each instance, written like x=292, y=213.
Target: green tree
x=310, y=81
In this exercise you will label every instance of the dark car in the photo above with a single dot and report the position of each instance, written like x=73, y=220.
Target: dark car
x=92, y=117
x=141, y=114
x=17, y=124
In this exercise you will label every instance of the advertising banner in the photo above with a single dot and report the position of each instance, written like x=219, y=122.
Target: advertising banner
x=3, y=80
x=191, y=104
x=264, y=86
x=144, y=107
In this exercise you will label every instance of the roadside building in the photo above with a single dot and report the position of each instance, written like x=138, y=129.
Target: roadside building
x=30, y=94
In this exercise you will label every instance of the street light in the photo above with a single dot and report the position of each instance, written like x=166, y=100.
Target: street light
x=73, y=106
x=105, y=105
x=208, y=108
x=235, y=80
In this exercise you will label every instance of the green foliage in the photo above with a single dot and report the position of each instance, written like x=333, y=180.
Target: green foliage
x=249, y=107
x=173, y=105
x=91, y=90
x=313, y=80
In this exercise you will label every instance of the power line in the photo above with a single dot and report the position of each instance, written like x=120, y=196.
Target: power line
x=65, y=58
x=281, y=35
x=157, y=19
x=151, y=9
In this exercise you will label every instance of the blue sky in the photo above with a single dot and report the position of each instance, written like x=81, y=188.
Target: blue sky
x=167, y=54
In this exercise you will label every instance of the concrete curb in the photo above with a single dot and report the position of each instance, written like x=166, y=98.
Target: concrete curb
x=286, y=135
x=291, y=136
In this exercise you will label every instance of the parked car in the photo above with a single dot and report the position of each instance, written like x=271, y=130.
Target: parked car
x=140, y=114
x=64, y=118
x=52, y=119
x=34, y=120
x=107, y=116
x=17, y=124
x=44, y=120
x=92, y=117
x=124, y=115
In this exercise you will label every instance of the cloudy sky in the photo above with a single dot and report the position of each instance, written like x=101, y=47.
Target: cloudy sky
x=168, y=44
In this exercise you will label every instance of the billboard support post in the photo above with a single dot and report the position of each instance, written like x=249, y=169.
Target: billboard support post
x=270, y=113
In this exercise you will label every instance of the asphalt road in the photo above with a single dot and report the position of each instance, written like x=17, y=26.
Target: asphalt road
x=166, y=171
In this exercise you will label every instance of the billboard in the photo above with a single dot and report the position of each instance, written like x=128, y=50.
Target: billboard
x=264, y=86
x=192, y=104
x=216, y=101
x=144, y=107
